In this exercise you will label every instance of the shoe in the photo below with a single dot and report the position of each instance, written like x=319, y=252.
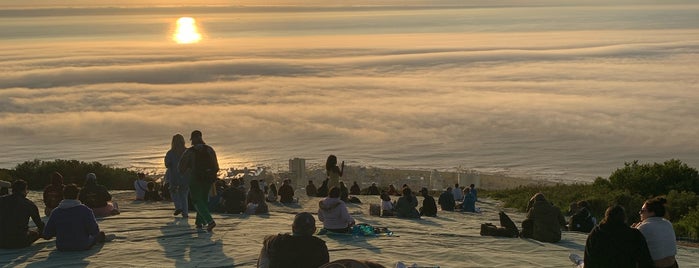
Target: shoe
x=177, y=212
x=575, y=258
x=211, y=226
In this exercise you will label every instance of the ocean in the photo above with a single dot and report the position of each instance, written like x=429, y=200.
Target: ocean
x=554, y=90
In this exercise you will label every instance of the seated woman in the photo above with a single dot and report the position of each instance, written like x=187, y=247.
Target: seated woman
x=255, y=200
x=469, y=202
x=582, y=219
x=334, y=214
x=97, y=197
x=272, y=193
x=406, y=205
x=658, y=232
x=386, y=204
x=53, y=193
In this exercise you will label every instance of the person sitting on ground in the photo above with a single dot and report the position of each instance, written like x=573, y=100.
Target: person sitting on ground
x=658, y=232
x=429, y=207
x=544, y=221
x=299, y=249
x=373, y=190
x=73, y=224
x=614, y=244
x=255, y=200
x=446, y=200
x=311, y=189
x=469, y=202
x=97, y=197
x=457, y=192
x=286, y=192
x=234, y=198
x=15, y=211
x=406, y=205
x=572, y=209
x=355, y=190
x=53, y=193
x=582, y=220
x=387, y=207
x=350, y=263
x=152, y=194
x=272, y=193
x=334, y=214
x=392, y=190
x=474, y=192
x=323, y=190
x=344, y=192
x=141, y=186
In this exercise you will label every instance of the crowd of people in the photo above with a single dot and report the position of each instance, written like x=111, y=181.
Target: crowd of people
x=192, y=172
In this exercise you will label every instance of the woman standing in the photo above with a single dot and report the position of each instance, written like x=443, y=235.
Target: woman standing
x=333, y=171
x=658, y=233
x=179, y=184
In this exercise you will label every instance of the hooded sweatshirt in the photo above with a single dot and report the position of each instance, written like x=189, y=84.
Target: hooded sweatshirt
x=73, y=224
x=616, y=245
x=334, y=214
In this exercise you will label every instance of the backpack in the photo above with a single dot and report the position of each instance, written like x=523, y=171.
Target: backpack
x=508, y=229
x=204, y=167
x=506, y=222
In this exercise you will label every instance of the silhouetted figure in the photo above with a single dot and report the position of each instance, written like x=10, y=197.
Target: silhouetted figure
x=429, y=207
x=53, y=193
x=373, y=190
x=15, y=212
x=299, y=249
x=355, y=190
x=311, y=189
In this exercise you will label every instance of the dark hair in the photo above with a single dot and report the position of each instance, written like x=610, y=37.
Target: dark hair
x=407, y=191
x=331, y=162
x=56, y=178
x=70, y=191
x=656, y=205
x=614, y=215
x=255, y=185
x=583, y=204
x=385, y=196
x=304, y=224
x=150, y=186
x=473, y=186
x=334, y=192
x=19, y=186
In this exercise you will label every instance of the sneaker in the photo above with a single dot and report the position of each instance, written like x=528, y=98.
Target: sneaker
x=211, y=226
x=575, y=258
x=177, y=212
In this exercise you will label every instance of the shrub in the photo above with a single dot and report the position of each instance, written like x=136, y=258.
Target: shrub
x=655, y=179
x=680, y=203
x=37, y=173
x=688, y=225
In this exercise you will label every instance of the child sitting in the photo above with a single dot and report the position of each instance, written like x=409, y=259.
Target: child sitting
x=386, y=204
x=152, y=193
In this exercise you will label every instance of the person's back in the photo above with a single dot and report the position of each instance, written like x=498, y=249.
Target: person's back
x=15, y=212
x=373, y=190
x=299, y=250
x=152, y=194
x=446, y=200
x=234, y=199
x=406, y=205
x=311, y=189
x=547, y=220
x=73, y=224
x=286, y=193
x=53, y=193
x=469, y=202
x=614, y=244
x=582, y=220
x=429, y=207
x=355, y=190
x=333, y=212
x=457, y=192
x=140, y=186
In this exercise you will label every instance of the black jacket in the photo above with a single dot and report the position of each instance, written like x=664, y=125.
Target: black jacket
x=616, y=245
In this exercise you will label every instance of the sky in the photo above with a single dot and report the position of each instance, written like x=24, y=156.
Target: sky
x=549, y=89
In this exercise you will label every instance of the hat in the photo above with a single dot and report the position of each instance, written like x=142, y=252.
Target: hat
x=195, y=133
x=304, y=224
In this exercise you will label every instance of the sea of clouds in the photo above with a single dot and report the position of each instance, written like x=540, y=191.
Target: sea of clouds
x=546, y=90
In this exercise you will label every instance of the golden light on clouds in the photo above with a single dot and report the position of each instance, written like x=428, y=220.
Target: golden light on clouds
x=186, y=31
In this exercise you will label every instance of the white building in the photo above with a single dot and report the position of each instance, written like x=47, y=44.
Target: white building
x=297, y=172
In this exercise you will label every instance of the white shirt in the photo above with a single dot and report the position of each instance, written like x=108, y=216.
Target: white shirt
x=140, y=186
x=458, y=194
x=660, y=237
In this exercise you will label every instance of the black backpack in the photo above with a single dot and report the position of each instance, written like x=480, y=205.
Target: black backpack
x=204, y=167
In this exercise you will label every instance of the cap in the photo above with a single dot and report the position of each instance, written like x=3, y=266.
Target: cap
x=304, y=224
x=195, y=133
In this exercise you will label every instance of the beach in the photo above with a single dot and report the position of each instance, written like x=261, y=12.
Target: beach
x=148, y=235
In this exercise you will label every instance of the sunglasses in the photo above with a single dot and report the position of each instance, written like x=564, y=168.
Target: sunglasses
x=643, y=210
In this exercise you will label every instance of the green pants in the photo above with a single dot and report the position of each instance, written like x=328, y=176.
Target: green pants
x=200, y=199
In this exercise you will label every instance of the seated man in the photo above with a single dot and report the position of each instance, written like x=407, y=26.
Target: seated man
x=286, y=192
x=234, y=198
x=300, y=249
x=544, y=221
x=73, y=224
x=406, y=206
x=15, y=211
x=429, y=207
x=446, y=200
x=97, y=197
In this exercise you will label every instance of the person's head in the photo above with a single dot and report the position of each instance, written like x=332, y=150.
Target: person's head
x=390, y=186
x=273, y=186
x=235, y=183
x=304, y=224
x=255, y=185
x=141, y=176
x=449, y=189
x=654, y=207
x=151, y=186
x=467, y=190
x=334, y=192
x=583, y=204
x=614, y=215
x=456, y=185
x=538, y=197
x=342, y=184
x=90, y=179
x=424, y=191
x=19, y=187
x=196, y=137
x=385, y=196
x=355, y=183
x=473, y=186
x=177, y=143
x=373, y=184
x=56, y=178
x=70, y=191
x=310, y=182
x=331, y=162
x=407, y=191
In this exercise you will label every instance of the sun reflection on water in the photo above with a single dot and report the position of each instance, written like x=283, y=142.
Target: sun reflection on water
x=186, y=32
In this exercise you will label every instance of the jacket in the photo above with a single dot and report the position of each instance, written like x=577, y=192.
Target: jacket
x=616, y=245
x=334, y=214
x=74, y=226
x=547, y=221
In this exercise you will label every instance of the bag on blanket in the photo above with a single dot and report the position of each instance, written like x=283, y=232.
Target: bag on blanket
x=507, y=229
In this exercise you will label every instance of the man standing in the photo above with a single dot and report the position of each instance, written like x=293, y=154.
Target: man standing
x=199, y=162
x=15, y=211
x=73, y=224
x=300, y=249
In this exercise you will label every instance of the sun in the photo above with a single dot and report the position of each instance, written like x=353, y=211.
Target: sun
x=186, y=32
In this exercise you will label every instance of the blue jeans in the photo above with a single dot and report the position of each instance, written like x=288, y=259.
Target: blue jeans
x=179, y=194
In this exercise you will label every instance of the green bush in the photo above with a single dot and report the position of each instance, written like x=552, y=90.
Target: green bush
x=680, y=203
x=37, y=173
x=655, y=179
x=688, y=225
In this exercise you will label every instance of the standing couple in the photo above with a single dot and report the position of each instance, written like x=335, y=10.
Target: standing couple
x=192, y=171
